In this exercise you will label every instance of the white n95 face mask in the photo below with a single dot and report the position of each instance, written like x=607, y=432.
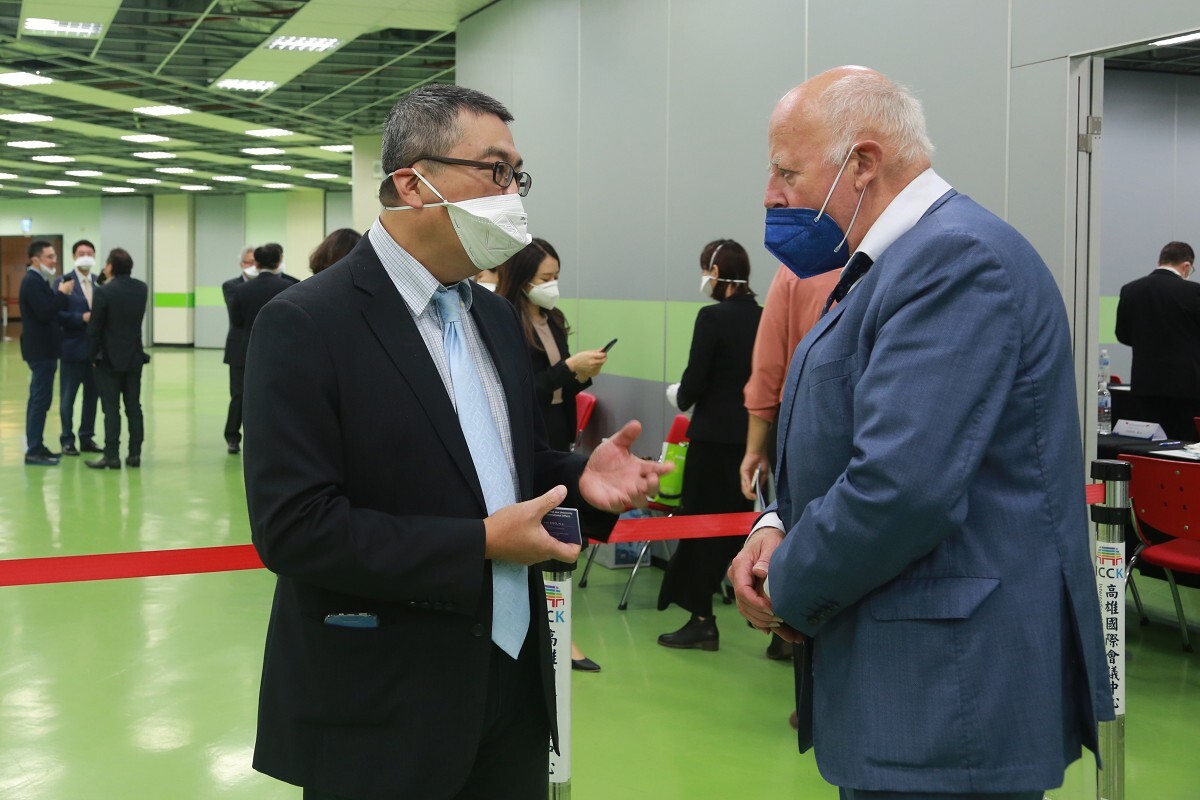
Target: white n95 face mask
x=544, y=295
x=491, y=229
x=85, y=262
x=707, y=284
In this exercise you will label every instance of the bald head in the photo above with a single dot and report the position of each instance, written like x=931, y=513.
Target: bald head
x=846, y=105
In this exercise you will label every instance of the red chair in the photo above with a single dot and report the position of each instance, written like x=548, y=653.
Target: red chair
x=585, y=404
x=675, y=435
x=1165, y=495
x=1114, y=380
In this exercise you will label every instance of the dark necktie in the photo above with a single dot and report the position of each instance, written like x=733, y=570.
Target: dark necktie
x=855, y=269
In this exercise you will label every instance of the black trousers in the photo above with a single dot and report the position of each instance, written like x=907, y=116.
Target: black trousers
x=233, y=420
x=118, y=387
x=72, y=376
x=41, y=394
x=512, y=762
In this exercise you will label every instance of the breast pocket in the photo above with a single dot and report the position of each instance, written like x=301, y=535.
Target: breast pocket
x=831, y=395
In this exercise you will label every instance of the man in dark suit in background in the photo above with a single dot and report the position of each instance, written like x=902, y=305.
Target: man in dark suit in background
x=236, y=341
x=115, y=347
x=1158, y=315
x=277, y=259
x=250, y=297
x=76, y=369
x=41, y=344
x=391, y=438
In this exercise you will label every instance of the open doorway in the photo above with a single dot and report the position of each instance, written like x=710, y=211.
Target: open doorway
x=14, y=259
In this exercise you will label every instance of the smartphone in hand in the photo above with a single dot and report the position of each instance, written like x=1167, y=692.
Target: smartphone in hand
x=608, y=346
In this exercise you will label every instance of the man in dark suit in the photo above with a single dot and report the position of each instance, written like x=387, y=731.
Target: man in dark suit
x=250, y=297
x=236, y=341
x=1159, y=317
x=929, y=545
x=396, y=477
x=76, y=369
x=115, y=347
x=41, y=344
x=277, y=259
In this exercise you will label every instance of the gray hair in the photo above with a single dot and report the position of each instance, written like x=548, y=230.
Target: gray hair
x=425, y=123
x=859, y=105
x=247, y=249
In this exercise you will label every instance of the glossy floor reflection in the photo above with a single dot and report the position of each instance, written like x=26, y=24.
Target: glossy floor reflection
x=147, y=688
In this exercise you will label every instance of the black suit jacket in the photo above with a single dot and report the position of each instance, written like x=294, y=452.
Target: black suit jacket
x=41, y=338
x=363, y=498
x=718, y=368
x=547, y=378
x=70, y=319
x=250, y=297
x=115, y=332
x=238, y=337
x=1159, y=317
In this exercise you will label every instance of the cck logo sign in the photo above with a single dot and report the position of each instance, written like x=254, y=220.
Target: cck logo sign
x=1110, y=561
x=555, y=605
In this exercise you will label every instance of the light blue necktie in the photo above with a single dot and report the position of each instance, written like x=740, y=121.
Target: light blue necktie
x=510, y=582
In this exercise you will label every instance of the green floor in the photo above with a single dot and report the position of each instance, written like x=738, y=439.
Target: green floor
x=146, y=688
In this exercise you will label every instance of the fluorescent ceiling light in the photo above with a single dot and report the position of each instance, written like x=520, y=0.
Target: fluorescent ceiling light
x=154, y=154
x=263, y=151
x=84, y=173
x=311, y=44
x=175, y=170
x=118, y=189
x=321, y=176
x=239, y=85
x=143, y=181
x=162, y=111
x=53, y=159
x=58, y=27
x=145, y=138
x=228, y=178
x=7, y=176
x=1187, y=37
x=338, y=148
x=195, y=187
x=277, y=185
x=268, y=133
x=23, y=79
x=62, y=183
x=26, y=118
x=44, y=191
x=271, y=167
x=31, y=144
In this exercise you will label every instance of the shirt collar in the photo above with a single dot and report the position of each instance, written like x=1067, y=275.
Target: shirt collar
x=414, y=282
x=903, y=212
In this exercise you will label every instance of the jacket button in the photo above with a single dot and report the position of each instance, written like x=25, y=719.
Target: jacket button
x=477, y=630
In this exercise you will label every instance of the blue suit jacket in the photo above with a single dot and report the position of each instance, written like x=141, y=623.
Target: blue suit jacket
x=70, y=319
x=931, y=483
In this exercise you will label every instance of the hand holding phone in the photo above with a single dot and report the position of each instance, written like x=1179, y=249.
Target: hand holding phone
x=608, y=346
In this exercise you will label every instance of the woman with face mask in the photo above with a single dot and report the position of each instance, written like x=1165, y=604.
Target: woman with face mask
x=529, y=280
x=717, y=370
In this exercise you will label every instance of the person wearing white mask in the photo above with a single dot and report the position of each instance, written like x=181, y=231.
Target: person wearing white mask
x=397, y=474
x=75, y=370
x=41, y=344
x=237, y=339
x=717, y=370
x=488, y=279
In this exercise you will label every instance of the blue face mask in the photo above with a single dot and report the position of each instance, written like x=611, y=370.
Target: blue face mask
x=807, y=241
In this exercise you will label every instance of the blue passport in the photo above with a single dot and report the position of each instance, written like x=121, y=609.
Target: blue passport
x=563, y=524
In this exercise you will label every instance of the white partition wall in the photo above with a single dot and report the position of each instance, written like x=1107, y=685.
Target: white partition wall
x=220, y=236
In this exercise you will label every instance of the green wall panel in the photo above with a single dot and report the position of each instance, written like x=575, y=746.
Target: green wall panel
x=208, y=296
x=175, y=299
x=1108, y=320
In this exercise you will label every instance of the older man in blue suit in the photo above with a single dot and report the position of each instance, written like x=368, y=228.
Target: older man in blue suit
x=930, y=542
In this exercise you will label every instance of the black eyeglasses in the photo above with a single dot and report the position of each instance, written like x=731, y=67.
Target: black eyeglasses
x=502, y=171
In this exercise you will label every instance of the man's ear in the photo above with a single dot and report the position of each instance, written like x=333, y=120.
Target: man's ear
x=408, y=187
x=868, y=158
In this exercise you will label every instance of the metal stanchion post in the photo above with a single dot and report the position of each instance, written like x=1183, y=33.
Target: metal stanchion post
x=1110, y=518
x=557, y=577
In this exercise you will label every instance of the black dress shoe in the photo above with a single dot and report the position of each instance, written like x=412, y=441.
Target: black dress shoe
x=584, y=664
x=90, y=447
x=133, y=461
x=104, y=463
x=69, y=450
x=45, y=451
x=234, y=448
x=696, y=634
x=37, y=459
x=778, y=649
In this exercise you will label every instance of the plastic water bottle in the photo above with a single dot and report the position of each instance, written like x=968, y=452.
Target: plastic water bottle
x=1103, y=409
x=1104, y=374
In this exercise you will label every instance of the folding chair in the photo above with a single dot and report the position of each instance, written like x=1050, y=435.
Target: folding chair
x=676, y=435
x=585, y=404
x=1165, y=495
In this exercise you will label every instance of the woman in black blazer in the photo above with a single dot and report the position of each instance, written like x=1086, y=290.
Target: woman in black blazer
x=717, y=370
x=529, y=280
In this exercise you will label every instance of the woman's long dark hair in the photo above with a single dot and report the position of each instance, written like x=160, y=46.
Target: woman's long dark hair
x=333, y=249
x=515, y=275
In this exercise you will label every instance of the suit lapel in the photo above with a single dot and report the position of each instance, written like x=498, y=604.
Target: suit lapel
x=491, y=319
x=389, y=319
